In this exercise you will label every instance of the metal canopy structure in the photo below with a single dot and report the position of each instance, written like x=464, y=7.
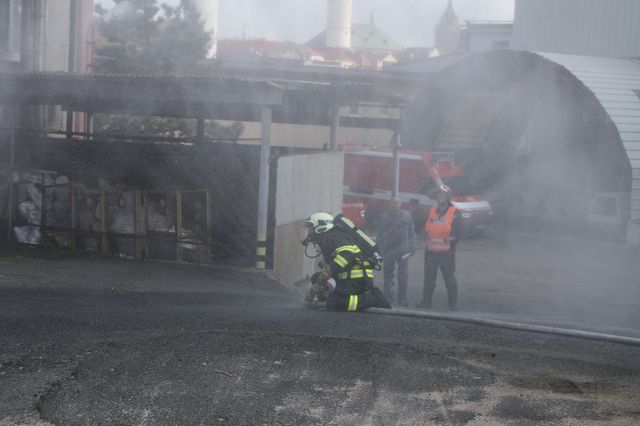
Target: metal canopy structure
x=220, y=98
x=200, y=98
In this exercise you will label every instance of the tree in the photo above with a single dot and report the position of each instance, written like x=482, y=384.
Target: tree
x=149, y=39
x=142, y=37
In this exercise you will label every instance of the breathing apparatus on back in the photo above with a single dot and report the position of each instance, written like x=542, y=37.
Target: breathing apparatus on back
x=321, y=223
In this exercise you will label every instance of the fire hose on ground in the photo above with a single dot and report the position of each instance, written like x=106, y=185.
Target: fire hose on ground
x=533, y=328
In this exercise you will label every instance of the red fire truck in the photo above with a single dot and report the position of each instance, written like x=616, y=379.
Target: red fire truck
x=368, y=181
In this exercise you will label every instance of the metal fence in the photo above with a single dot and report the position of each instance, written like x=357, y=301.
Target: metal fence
x=161, y=224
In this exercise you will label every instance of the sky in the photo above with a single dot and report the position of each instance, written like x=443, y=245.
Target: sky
x=410, y=22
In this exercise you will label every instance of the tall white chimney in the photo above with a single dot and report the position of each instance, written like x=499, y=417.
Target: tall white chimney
x=209, y=11
x=339, y=15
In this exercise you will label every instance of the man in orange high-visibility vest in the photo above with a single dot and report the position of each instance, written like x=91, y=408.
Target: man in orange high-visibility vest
x=444, y=229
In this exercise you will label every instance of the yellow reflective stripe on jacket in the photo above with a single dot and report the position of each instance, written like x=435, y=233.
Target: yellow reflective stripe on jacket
x=353, y=303
x=341, y=261
x=350, y=248
x=356, y=273
x=359, y=273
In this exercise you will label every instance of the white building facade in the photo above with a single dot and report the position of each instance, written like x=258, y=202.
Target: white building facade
x=609, y=28
x=481, y=36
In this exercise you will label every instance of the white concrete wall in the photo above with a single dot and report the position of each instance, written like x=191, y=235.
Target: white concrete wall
x=305, y=184
x=609, y=28
x=308, y=184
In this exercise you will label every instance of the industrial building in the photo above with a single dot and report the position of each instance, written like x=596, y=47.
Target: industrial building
x=578, y=27
x=541, y=133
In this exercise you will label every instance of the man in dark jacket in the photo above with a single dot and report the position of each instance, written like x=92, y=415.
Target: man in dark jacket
x=397, y=241
x=444, y=230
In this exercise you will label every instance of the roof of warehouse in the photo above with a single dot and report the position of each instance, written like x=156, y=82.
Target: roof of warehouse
x=614, y=82
x=295, y=102
x=616, y=85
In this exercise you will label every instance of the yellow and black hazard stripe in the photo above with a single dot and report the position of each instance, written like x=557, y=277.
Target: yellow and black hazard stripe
x=261, y=252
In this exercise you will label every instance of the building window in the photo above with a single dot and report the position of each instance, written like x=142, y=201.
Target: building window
x=9, y=29
x=502, y=44
x=637, y=92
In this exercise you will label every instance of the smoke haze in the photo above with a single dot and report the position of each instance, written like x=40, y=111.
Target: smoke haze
x=410, y=22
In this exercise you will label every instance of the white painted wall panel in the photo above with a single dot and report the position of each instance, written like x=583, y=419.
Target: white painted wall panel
x=305, y=184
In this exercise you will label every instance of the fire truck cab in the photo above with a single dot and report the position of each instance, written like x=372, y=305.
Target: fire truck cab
x=368, y=179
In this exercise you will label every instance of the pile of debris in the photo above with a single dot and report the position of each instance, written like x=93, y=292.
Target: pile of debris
x=27, y=202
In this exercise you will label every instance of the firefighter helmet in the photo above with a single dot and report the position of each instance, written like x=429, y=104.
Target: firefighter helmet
x=319, y=223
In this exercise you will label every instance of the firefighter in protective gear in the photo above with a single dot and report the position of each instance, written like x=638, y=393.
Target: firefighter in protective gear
x=343, y=263
x=444, y=230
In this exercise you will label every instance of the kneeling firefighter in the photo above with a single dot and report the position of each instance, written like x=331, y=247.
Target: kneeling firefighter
x=349, y=260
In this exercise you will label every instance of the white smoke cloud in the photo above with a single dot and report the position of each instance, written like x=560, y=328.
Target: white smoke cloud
x=411, y=22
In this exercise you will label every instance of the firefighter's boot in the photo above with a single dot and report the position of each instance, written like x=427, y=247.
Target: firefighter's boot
x=375, y=299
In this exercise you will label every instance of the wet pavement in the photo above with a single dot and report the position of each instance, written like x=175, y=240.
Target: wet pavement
x=86, y=340
x=544, y=279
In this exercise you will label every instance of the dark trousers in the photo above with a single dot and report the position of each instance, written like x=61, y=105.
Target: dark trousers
x=446, y=263
x=342, y=299
x=389, y=270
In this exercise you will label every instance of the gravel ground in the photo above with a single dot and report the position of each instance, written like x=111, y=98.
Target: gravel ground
x=85, y=340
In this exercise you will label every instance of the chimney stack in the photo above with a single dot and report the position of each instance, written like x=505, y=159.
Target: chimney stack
x=339, y=16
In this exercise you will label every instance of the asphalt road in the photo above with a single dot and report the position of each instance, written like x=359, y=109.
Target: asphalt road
x=543, y=279
x=85, y=340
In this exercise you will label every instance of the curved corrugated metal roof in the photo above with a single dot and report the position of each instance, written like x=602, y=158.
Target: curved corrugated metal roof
x=616, y=84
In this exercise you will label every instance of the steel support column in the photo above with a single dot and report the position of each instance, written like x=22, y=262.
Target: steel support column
x=397, y=146
x=335, y=126
x=12, y=162
x=72, y=57
x=263, y=189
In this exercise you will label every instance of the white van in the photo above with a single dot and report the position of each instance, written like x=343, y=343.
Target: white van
x=609, y=214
